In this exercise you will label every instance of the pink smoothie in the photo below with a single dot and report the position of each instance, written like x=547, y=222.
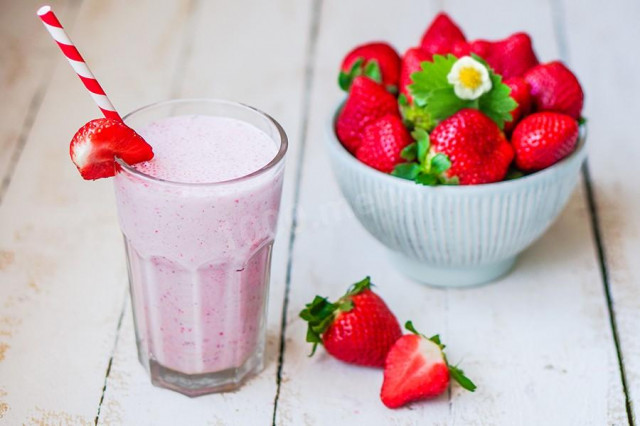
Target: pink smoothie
x=199, y=252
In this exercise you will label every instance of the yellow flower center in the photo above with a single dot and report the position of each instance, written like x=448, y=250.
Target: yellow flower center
x=470, y=77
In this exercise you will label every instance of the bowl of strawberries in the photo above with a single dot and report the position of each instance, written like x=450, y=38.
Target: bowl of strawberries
x=459, y=154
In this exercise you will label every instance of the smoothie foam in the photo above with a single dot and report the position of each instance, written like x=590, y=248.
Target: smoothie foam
x=200, y=149
x=199, y=255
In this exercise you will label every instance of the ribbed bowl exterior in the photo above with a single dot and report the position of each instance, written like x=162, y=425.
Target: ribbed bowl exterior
x=455, y=226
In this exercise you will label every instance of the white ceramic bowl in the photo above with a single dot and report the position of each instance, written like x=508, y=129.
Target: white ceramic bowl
x=454, y=235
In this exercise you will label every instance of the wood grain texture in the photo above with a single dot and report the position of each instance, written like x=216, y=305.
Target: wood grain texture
x=538, y=343
x=251, y=52
x=62, y=269
x=26, y=57
x=598, y=47
x=529, y=341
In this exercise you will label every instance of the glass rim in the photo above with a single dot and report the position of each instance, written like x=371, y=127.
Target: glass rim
x=277, y=159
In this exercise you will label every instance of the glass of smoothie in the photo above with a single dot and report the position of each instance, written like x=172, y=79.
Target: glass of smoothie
x=199, y=221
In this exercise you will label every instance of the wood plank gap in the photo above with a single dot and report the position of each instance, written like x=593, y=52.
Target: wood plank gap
x=113, y=351
x=604, y=271
x=558, y=11
x=34, y=105
x=309, y=74
x=178, y=77
x=186, y=51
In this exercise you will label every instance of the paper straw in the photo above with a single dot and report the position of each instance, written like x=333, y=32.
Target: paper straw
x=52, y=24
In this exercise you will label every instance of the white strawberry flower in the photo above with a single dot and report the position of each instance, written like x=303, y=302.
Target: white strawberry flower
x=470, y=78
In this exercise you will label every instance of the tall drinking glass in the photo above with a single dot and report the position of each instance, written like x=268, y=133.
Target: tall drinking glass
x=199, y=258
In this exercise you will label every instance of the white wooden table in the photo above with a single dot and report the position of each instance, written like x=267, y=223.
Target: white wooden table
x=557, y=342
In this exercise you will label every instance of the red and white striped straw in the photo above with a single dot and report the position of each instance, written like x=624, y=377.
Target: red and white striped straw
x=58, y=33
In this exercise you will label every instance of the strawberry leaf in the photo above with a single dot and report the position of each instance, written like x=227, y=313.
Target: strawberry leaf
x=359, y=287
x=427, y=179
x=444, y=103
x=409, y=152
x=440, y=163
x=346, y=78
x=409, y=326
x=372, y=70
x=497, y=103
x=423, y=143
x=464, y=381
x=319, y=314
x=344, y=81
x=431, y=77
x=514, y=173
x=407, y=171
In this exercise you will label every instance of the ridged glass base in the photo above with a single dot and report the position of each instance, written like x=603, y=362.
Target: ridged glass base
x=194, y=385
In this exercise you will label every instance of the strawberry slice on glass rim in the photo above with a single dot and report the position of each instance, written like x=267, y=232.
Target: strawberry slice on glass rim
x=96, y=145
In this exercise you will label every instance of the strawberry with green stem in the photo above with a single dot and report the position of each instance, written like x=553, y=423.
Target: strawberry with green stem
x=424, y=166
x=377, y=60
x=417, y=368
x=358, y=329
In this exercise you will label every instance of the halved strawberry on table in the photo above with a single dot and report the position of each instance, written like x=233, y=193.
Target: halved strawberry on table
x=441, y=36
x=358, y=329
x=416, y=368
x=555, y=88
x=367, y=101
x=96, y=145
x=377, y=60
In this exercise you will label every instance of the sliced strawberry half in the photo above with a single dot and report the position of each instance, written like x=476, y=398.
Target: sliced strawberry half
x=96, y=145
x=417, y=368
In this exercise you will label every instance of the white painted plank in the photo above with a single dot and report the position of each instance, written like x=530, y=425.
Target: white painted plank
x=601, y=48
x=62, y=269
x=252, y=52
x=530, y=341
x=570, y=293
x=25, y=56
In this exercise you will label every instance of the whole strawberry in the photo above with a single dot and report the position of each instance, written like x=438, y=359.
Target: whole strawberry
x=510, y=57
x=359, y=328
x=475, y=145
x=367, y=101
x=441, y=36
x=519, y=93
x=544, y=138
x=555, y=88
x=416, y=368
x=377, y=60
x=411, y=63
x=382, y=142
